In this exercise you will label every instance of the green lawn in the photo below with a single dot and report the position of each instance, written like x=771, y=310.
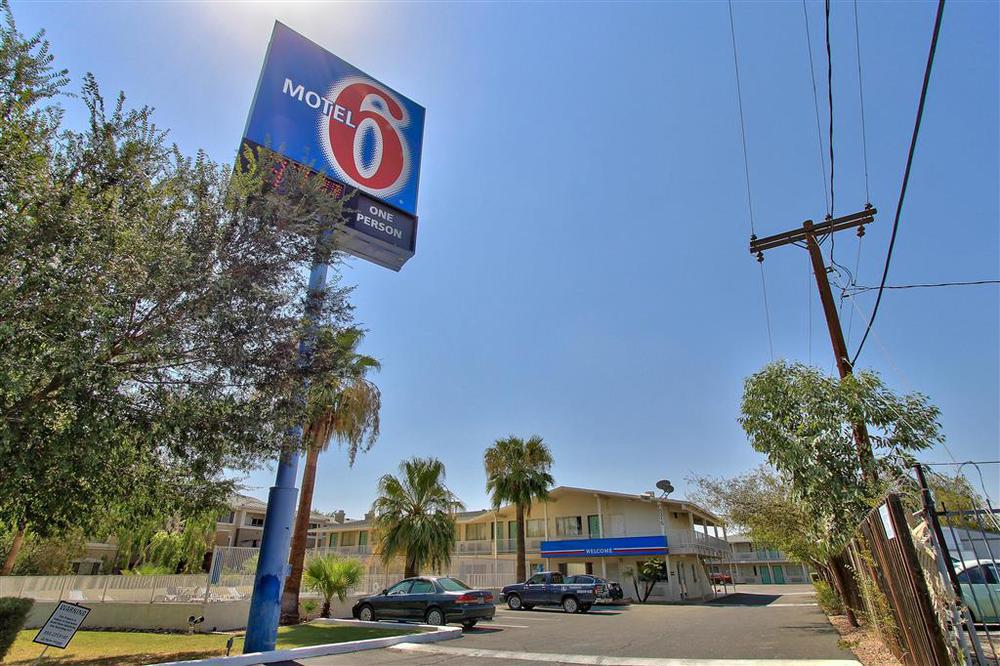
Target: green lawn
x=127, y=648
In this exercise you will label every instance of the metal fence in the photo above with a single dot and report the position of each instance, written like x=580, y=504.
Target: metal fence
x=963, y=543
x=185, y=589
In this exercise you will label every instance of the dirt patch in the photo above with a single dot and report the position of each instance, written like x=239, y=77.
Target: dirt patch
x=863, y=642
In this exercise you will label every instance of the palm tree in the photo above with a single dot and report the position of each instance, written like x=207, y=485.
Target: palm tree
x=517, y=471
x=415, y=516
x=330, y=575
x=341, y=404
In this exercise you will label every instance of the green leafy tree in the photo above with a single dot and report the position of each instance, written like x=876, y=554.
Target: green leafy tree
x=762, y=505
x=648, y=572
x=330, y=575
x=342, y=405
x=517, y=471
x=803, y=419
x=415, y=516
x=48, y=556
x=151, y=306
x=173, y=545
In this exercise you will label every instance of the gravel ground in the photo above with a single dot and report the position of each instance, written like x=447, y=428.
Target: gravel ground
x=864, y=643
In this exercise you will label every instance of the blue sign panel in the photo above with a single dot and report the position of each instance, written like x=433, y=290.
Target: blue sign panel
x=613, y=547
x=328, y=115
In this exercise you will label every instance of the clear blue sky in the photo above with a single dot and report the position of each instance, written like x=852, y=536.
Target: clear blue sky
x=582, y=270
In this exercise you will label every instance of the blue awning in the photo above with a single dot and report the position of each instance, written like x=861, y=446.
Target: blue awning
x=613, y=547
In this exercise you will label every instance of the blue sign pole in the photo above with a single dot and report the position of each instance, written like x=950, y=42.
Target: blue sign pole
x=272, y=563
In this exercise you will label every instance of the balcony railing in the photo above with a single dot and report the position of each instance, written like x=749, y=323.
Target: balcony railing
x=760, y=556
x=682, y=542
x=345, y=551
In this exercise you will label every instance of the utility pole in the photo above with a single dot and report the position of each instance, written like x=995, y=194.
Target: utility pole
x=808, y=235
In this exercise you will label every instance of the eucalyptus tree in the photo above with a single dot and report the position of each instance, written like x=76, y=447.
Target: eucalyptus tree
x=414, y=516
x=803, y=421
x=151, y=305
x=342, y=404
x=517, y=471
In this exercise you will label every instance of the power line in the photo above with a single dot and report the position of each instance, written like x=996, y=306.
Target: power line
x=861, y=96
x=829, y=94
x=861, y=289
x=746, y=171
x=819, y=131
x=906, y=173
x=864, y=153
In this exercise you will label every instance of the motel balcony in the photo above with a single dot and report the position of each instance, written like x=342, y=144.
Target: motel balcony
x=758, y=556
x=679, y=542
x=349, y=551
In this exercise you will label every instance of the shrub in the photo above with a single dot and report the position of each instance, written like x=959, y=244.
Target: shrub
x=309, y=607
x=827, y=598
x=330, y=575
x=13, y=613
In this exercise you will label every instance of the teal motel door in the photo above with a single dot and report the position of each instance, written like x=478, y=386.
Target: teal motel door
x=779, y=575
x=765, y=575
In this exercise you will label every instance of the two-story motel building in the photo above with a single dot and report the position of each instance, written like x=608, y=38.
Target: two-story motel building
x=576, y=530
x=750, y=563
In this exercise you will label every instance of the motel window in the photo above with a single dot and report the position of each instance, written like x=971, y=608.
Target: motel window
x=594, y=525
x=569, y=526
x=255, y=522
x=535, y=528
x=480, y=532
x=349, y=539
x=333, y=540
x=227, y=517
x=512, y=529
x=362, y=538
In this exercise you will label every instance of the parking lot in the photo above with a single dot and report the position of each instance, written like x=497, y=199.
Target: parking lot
x=759, y=623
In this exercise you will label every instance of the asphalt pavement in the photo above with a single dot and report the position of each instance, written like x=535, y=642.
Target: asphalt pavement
x=769, y=623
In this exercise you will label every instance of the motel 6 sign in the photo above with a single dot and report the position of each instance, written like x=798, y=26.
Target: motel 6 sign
x=324, y=114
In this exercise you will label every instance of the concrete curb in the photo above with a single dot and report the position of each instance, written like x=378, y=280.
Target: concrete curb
x=431, y=634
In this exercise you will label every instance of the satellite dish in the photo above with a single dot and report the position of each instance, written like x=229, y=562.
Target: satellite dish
x=665, y=486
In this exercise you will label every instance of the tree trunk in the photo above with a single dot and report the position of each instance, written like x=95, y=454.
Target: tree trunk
x=841, y=585
x=15, y=548
x=325, y=612
x=410, y=569
x=522, y=566
x=297, y=556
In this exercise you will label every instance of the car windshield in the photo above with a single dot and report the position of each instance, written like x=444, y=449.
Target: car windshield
x=452, y=584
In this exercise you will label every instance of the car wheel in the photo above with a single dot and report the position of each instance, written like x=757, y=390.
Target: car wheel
x=469, y=624
x=366, y=614
x=435, y=617
x=514, y=602
x=570, y=605
x=585, y=607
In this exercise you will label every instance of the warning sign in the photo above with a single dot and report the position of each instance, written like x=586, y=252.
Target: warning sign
x=61, y=626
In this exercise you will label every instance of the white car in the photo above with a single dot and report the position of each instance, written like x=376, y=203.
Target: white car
x=980, y=583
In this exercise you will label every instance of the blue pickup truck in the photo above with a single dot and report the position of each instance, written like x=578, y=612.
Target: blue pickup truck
x=550, y=588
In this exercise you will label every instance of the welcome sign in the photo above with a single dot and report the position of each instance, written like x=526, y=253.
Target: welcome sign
x=610, y=547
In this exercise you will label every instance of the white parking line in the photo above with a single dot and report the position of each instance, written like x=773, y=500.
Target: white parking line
x=525, y=618
x=509, y=626
x=600, y=660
